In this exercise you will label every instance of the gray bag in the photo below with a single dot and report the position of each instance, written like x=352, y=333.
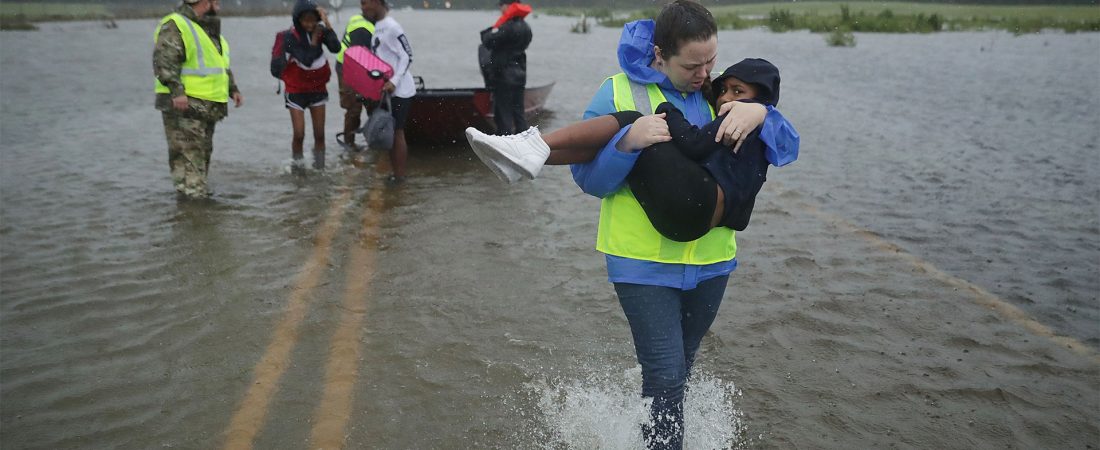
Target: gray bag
x=379, y=128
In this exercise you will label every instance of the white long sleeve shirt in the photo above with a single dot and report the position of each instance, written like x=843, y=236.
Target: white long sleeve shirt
x=391, y=45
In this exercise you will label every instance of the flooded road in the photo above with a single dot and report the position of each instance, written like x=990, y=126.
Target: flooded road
x=927, y=275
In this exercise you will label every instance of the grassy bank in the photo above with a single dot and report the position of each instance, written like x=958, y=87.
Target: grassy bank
x=894, y=17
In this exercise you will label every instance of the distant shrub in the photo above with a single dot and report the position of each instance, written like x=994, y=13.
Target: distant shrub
x=840, y=37
x=780, y=20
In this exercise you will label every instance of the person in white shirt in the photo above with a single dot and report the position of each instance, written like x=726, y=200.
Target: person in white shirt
x=391, y=45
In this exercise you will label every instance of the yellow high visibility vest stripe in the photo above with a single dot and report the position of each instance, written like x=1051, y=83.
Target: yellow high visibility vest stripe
x=205, y=73
x=356, y=22
x=626, y=231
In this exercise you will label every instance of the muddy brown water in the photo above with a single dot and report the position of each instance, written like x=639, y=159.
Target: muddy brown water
x=912, y=281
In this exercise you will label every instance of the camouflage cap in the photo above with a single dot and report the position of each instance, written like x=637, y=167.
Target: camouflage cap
x=191, y=2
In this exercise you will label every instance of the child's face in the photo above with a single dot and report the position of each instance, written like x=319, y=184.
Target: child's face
x=309, y=21
x=733, y=90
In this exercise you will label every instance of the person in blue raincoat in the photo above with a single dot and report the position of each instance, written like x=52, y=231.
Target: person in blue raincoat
x=670, y=291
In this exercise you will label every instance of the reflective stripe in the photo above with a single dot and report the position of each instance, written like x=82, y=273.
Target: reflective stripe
x=202, y=72
x=201, y=79
x=640, y=95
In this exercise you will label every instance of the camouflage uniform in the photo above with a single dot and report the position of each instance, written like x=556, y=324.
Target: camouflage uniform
x=190, y=133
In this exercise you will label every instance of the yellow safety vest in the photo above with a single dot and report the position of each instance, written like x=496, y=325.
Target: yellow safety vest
x=205, y=73
x=626, y=231
x=356, y=22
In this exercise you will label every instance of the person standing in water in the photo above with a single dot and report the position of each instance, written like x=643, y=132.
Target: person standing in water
x=359, y=32
x=193, y=87
x=306, y=76
x=669, y=291
x=507, y=40
x=392, y=46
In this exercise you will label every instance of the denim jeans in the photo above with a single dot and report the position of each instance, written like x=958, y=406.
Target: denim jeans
x=668, y=324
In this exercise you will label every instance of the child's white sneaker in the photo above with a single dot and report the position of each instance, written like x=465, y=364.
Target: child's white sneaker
x=524, y=153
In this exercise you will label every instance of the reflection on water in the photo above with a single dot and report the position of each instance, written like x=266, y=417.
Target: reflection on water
x=132, y=320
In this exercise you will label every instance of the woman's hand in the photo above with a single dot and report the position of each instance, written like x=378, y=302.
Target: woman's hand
x=742, y=119
x=645, y=131
x=324, y=17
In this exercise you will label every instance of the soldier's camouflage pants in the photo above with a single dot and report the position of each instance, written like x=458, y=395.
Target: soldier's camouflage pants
x=190, y=144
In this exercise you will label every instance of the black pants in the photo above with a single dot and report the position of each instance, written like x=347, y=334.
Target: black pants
x=677, y=194
x=508, y=109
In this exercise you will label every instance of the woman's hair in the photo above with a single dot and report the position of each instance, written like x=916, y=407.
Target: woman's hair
x=679, y=22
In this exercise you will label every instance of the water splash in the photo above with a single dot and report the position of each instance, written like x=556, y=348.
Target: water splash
x=605, y=411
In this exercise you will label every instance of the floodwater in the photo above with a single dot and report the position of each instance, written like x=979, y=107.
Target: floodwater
x=925, y=276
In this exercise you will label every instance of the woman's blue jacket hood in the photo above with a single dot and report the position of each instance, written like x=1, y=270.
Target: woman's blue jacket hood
x=636, y=53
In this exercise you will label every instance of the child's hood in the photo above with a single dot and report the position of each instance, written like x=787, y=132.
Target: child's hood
x=758, y=72
x=302, y=7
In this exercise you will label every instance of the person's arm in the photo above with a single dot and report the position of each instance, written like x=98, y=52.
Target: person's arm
x=504, y=36
x=780, y=137
x=168, y=57
x=694, y=142
x=404, y=52
x=234, y=92
x=608, y=171
x=302, y=49
x=328, y=36
x=331, y=41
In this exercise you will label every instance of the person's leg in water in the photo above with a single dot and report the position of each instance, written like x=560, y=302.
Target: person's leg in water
x=317, y=114
x=502, y=115
x=353, y=111
x=667, y=326
x=298, y=125
x=399, y=153
x=519, y=118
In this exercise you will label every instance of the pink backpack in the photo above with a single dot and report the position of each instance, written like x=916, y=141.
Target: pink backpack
x=365, y=72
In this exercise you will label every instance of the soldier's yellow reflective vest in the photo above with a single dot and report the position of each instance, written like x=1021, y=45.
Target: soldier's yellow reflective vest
x=356, y=22
x=626, y=231
x=205, y=73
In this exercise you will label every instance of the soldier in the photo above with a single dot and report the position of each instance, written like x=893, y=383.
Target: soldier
x=193, y=88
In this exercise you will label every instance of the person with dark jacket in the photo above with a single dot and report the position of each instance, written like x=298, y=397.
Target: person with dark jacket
x=306, y=75
x=507, y=41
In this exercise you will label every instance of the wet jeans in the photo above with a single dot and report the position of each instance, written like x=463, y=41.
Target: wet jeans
x=668, y=324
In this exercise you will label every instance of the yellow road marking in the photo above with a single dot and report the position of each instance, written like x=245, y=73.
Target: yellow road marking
x=342, y=369
x=249, y=418
x=980, y=295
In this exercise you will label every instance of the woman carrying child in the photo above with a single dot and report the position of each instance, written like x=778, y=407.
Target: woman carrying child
x=669, y=290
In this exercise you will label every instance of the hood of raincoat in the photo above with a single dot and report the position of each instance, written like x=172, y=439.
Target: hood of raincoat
x=515, y=10
x=302, y=7
x=759, y=72
x=636, y=54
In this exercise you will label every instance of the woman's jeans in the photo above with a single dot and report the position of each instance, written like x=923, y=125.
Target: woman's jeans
x=668, y=324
